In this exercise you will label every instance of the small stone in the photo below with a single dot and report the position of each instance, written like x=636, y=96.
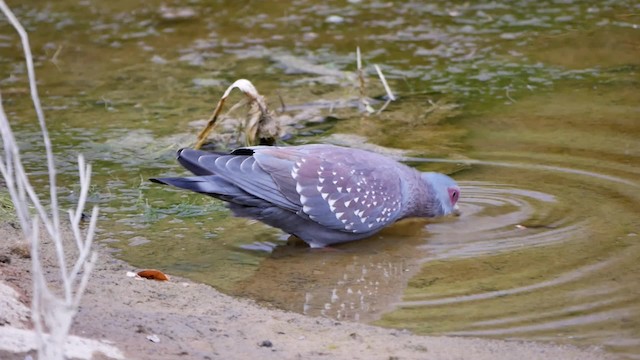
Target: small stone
x=153, y=338
x=266, y=343
x=177, y=13
x=138, y=240
x=22, y=250
x=207, y=82
x=334, y=19
x=5, y=259
x=156, y=59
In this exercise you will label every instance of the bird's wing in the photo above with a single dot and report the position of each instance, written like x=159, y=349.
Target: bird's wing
x=244, y=172
x=189, y=159
x=342, y=189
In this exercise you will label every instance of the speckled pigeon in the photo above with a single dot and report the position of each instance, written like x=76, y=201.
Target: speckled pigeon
x=323, y=194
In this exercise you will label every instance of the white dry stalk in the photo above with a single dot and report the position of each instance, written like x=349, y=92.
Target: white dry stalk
x=361, y=86
x=50, y=312
x=384, y=83
x=390, y=96
x=364, y=102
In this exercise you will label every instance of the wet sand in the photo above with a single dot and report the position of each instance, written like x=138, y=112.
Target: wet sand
x=119, y=315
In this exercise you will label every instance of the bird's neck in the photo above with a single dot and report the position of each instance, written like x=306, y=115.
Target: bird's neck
x=414, y=194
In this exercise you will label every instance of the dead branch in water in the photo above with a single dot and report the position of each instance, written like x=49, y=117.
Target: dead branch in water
x=259, y=123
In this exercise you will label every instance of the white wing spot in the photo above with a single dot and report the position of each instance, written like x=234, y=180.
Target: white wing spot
x=324, y=195
x=331, y=203
x=321, y=180
x=339, y=188
x=348, y=189
x=335, y=182
x=306, y=209
x=338, y=215
x=346, y=203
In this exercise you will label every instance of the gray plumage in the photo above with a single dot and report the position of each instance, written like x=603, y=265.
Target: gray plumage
x=323, y=194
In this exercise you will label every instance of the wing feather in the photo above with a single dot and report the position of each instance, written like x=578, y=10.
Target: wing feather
x=340, y=189
x=241, y=171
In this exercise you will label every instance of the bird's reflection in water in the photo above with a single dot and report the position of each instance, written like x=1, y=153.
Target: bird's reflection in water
x=354, y=281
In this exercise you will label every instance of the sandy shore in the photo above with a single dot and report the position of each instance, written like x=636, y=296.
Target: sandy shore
x=119, y=315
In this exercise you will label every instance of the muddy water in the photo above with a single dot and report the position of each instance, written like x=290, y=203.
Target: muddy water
x=532, y=106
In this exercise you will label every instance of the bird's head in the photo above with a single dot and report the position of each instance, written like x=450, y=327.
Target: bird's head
x=446, y=191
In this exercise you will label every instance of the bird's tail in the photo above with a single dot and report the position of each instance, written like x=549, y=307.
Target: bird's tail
x=215, y=186
x=209, y=185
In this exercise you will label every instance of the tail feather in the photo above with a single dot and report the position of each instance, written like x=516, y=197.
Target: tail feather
x=210, y=185
x=215, y=186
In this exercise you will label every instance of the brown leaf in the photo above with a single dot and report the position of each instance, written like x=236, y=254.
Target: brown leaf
x=152, y=274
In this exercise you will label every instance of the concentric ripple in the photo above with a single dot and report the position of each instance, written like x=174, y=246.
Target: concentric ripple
x=498, y=216
x=545, y=253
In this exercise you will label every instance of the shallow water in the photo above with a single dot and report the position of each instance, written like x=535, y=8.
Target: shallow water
x=532, y=106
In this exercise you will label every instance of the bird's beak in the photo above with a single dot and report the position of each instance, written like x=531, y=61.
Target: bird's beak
x=456, y=210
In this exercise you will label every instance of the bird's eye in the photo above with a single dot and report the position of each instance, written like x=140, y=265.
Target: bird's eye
x=453, y=196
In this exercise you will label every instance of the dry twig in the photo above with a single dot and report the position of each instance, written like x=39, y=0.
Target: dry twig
x=259, y=121
x=51, y=313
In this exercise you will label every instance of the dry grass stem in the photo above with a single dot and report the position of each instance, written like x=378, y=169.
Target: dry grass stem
x=51, y=312
x=365, y=104
x=384, y=83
